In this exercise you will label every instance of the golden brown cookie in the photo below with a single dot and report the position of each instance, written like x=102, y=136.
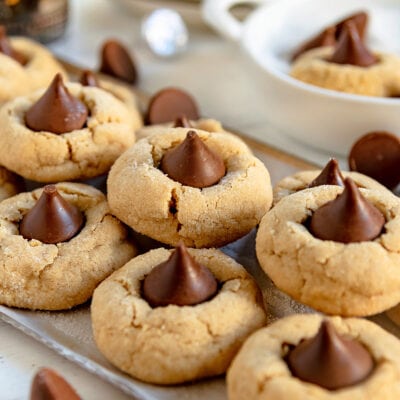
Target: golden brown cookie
x=152, y=203
x=83, y=153
x=10, y=184
x=174, y=344
x=349, y=279
x=260, y=372
x=59, y=276
x=300, y=180
x=17, y=79
x=380, y=79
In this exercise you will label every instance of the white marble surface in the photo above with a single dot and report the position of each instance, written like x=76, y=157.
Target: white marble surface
x=215, y=72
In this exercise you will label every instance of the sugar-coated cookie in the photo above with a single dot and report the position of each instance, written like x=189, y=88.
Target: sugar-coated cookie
x=174, y=344
x=154, y=204
x=261, y=371
x=349, y=279
x=83, y=153
x=37, y=275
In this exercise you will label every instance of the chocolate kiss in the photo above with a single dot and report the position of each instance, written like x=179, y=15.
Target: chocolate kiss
x=377, y=154
x=88, y=78
x=52, y=219
x=193, y=163
x=169, y=104
x=57, y=111
x=350, y=48
x=48, y=385
x=6, y=48
x=330, y=175
x=360, y=20
x=117, y=62
x=325, y=38
x=349, y=218
x=182, y=122
x=180, y=280
x=330, y=360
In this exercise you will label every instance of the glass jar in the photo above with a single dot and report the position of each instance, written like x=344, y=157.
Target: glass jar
x=43, y=20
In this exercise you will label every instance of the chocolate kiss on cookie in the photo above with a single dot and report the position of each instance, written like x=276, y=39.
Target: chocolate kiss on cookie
x=57, y=111
x=330, y=175
x=377, y=154
x=193, y=163
x=349, y=218
x=88, y=78
x=52, y=219
x=180, y=280
x=360, y=20
x=330, y=360
x=117, y=62
x=325, y=38
x=6, y=48
x=48, y=385
x=182, y=122
x=350, y=48
x=169, y=104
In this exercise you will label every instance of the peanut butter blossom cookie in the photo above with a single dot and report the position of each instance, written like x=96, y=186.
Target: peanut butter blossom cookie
x=329, y=175
x=172, y=316
x=349, y=66
x=24, y=66
x=56, y=245
x=68, y=132
x=204, y=188
x=334, y=249
x=309, y=357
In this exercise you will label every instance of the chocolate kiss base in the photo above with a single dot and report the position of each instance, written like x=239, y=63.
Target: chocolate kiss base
x=330, y=360
x=180, y=280
x=349, y=218
x=193, y=163
x=52, y=219
x=57, y=111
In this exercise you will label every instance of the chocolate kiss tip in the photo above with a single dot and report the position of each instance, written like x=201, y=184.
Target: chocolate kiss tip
x=330, y=360
x=350, y=48
x=57, y=111
x=360, y=19
x=325, y=38
x=348, y=218
x=180, y=280
x=182, y=122
x=88, y=78
x=193, y=163
x=330, y=175
x=48, y=385
x=52, y=219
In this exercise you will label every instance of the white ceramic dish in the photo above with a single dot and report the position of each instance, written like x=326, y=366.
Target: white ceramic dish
x=322, y=118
